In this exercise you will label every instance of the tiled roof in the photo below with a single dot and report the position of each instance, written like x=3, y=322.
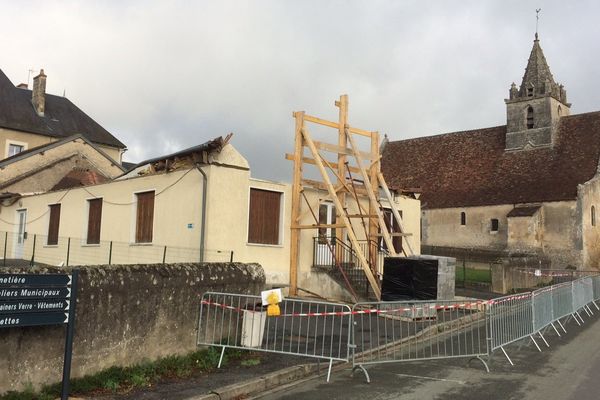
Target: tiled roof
x=61, y=117
x=472, y=168
x=523, y=211
x=80, y=177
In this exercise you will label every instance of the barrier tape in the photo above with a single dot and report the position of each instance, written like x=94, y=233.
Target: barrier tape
x=549, y=273
x=376, y=310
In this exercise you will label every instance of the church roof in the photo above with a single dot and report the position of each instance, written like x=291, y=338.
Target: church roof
x=472, y=168
x=537, y=71
x=61, y=117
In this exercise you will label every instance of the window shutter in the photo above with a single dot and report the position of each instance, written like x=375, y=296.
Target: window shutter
x=94, y=221
x=54, y=224
x=263, y=224
x=145, y=217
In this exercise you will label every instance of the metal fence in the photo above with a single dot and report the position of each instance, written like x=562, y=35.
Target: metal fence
x=31, y=249
x=312, y=329
x=389, y=332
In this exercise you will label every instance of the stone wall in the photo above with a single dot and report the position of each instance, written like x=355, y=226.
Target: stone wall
x=125, y=314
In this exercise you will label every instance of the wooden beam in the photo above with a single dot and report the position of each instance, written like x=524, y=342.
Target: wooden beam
x=341, y=163
x=296, y=190
x=397, y=234
x=374, y=227
x=340, y=150
x=307, y=160
x=363, y=261
x=331, y=124
x=372, y=198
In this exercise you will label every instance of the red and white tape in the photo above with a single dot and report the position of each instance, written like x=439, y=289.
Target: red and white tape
x=468, y=305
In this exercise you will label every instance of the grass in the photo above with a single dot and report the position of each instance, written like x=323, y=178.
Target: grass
x=473, y=275
x=145, y=374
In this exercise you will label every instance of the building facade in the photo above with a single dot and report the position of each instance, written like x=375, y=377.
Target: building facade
x=198, y=204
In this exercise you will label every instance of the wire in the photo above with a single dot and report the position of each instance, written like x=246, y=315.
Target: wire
x=100, y=197
x=133, y=202
x=37, y=218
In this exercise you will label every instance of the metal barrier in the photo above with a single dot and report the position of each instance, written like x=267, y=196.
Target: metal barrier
x=510, y=320
x=562, y=302
x=386, y=332
x=543, y=311
x=313, y=329
x=400, y=331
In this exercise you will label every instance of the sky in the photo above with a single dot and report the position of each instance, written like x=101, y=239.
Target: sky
x=165, y=75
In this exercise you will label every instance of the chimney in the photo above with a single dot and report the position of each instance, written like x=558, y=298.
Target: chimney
x=22, y=86
x=39, y=93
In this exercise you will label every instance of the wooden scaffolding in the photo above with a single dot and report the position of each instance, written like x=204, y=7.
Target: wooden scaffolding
x=355, y=177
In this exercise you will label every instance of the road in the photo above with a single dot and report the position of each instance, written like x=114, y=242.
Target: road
x=566, y=370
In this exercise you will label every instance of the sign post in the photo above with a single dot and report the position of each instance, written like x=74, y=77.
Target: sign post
x=43, y=299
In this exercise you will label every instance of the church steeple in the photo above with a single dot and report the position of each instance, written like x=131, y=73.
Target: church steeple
x=538, y=80
x=533, y=110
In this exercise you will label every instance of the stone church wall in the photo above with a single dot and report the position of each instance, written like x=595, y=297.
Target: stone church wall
x=589, y=195
x=553, y=231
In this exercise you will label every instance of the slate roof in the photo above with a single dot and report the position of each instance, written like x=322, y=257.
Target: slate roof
x=471, y=168
x=61, y=118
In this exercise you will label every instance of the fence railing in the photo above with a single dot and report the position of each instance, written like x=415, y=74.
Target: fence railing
x=34, y=249
x=304, y=328
x=387, y=332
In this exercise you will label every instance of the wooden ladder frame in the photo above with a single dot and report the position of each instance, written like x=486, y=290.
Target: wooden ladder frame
x=370, y=175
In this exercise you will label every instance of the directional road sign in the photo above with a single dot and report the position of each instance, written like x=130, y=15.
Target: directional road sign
x=34, y=319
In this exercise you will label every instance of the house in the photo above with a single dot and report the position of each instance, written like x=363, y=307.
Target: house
x=31, y=118
x=44, y=138
x=528, y=187
x=198, y=204
x=72, y=161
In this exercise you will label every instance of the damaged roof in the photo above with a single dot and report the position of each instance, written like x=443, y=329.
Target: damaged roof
x=472, y=168
x=61, y=117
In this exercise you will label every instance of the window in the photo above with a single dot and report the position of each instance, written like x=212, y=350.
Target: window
x=529, y=117
x=144, y=217
x=463, y=218
x=94, y=221
x=593, y=216
x=392, y=227
x=263, y=217
x=529, y=92
x=494, y=225
x=327, y=216
x=53, y=224
x=559, y=111
x=14, y=149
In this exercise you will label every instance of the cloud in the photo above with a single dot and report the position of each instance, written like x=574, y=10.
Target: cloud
x=167, y=75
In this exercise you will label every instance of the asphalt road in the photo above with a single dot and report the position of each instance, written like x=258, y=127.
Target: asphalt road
x=566, y=370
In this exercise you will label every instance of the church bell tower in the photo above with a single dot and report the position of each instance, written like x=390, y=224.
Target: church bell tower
x=534, y=110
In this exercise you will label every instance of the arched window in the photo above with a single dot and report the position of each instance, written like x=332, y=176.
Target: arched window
x=593, y=216
x=559, y=111
x=463, y=218
x=529, y=117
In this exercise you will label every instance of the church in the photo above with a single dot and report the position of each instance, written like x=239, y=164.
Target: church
x=529, y=187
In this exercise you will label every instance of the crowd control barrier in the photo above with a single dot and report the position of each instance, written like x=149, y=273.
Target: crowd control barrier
x=372, y=333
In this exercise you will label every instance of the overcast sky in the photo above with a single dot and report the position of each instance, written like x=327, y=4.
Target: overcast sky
x=162, y=76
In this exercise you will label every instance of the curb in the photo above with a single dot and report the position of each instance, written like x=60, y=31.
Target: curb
x=258, y=385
